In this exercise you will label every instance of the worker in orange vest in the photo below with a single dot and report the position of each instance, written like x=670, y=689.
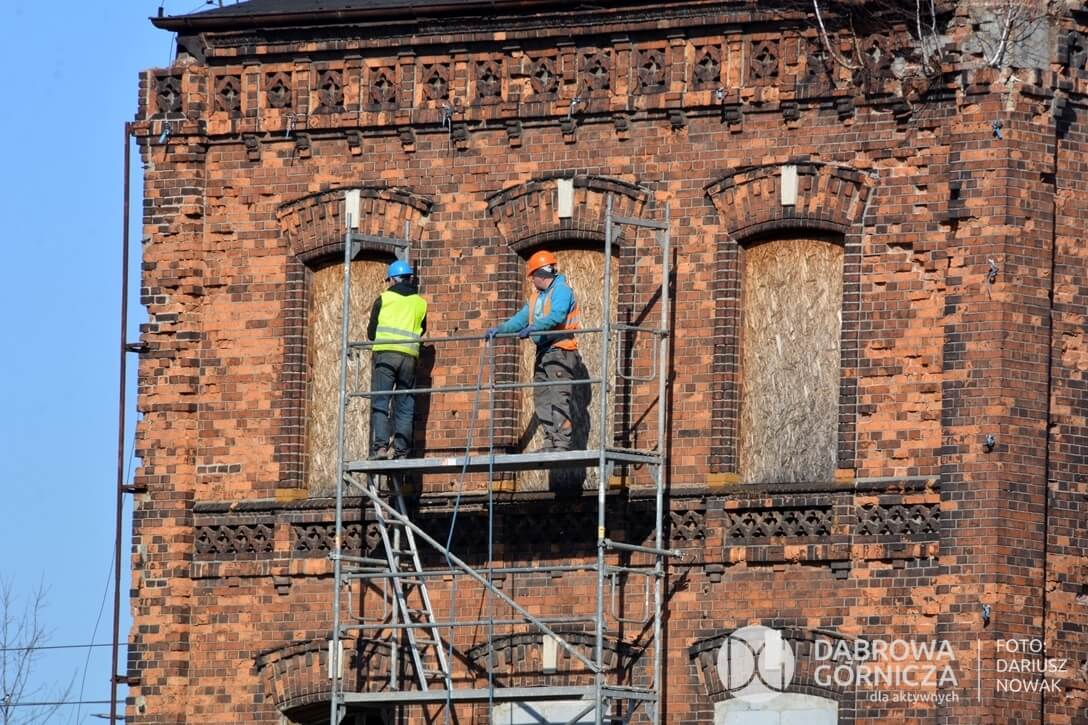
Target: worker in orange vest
x=551, y=307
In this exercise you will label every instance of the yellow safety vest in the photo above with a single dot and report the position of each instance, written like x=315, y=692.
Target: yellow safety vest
x=400, y=322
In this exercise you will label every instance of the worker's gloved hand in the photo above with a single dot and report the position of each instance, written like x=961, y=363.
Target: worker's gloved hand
x=490, y=334
x=524, y=332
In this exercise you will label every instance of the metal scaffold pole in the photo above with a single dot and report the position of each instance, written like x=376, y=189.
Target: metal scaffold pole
x=659, y=477
x=602, y=464
x=335, y=646
x=422, y=673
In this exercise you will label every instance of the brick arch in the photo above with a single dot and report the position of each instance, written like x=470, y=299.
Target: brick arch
x=527, y=217
x=703, y=654
x=831, y=201
x=829, y=198
x=295, y=677
x=314, y=225
x=527, y=214
x=518, y=659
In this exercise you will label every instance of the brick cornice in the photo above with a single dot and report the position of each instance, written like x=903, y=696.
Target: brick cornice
x=527, y=213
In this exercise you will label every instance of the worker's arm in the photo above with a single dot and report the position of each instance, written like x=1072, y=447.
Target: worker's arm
x=515, y=323
x=372, y=326
x=562, y=301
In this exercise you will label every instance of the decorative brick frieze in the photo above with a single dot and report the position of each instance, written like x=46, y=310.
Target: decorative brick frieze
x=751, y=526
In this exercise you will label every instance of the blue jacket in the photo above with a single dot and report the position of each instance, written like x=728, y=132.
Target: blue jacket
x=562, y=299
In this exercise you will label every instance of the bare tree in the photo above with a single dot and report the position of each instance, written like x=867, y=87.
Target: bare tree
x=22, y=635
x=1013, y=24
x=998, y=31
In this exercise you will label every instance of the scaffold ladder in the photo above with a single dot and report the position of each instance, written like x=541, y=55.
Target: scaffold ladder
x=411, y=601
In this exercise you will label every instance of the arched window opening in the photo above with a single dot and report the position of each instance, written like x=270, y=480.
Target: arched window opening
x=787, y=708
x=583, y=266
x=326, y=295
x=790, y=360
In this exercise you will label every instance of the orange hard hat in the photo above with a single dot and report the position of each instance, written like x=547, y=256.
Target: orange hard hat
x=540, y=259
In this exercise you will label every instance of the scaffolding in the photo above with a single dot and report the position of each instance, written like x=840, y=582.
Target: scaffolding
x=408, y=620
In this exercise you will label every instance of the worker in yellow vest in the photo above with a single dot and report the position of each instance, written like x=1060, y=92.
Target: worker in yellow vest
x=398, y=320
x=551, y=307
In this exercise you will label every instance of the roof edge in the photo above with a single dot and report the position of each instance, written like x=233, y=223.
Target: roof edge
x=197, y=22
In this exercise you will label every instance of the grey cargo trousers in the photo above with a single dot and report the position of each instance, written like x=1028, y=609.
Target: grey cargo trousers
x=554, y=403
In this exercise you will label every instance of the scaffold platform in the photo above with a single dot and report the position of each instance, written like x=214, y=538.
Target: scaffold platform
x=505, y=462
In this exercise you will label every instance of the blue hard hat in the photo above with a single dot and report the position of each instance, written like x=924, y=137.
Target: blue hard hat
x=400, y=268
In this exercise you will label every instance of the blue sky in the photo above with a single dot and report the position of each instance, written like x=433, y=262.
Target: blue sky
x=71, y=85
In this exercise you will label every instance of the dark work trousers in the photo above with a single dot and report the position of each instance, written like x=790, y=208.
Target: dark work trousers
x=392, y=371
x=554, y=402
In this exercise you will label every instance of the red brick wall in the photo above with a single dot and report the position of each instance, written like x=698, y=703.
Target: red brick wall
x=232, y=590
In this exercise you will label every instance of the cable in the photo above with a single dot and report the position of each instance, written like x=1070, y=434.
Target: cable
x=456, y=508
x=102, y=605
x=94, y=633
x=56, y=703
x=491, y=536
x=53, y=646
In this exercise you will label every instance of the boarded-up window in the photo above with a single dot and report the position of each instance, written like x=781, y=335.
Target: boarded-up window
x=584, y=270
x=790, y=362
x=326, y=302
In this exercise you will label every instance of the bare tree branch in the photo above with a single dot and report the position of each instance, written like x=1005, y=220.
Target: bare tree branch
x=22, y=634
x=835, y=56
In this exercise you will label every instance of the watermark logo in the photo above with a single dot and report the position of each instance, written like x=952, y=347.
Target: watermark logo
x=755, y=664
x=1022, y=666
x=889, y=670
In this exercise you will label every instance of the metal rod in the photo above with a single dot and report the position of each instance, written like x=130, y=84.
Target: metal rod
x=497, y=571
x=639, y=328
x=483, y=694
x=640, y=570
x=648, y=378
x=472, y=388
x=619, y=545
x=118, y=533
x=366, y=560
x=405, y=521
x=458, y=623
x=360, y=344
x=335, y=683
x=491, y=527
x=602, y=463
x=659, y=479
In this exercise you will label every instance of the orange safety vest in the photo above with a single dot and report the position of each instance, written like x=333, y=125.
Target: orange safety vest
x=574, y=316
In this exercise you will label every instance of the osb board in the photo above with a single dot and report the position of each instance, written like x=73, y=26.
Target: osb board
x=584, y=270
x=790, y=362
x=324, y=339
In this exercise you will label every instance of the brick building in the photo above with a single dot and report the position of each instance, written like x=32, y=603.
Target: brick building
x=876, y=373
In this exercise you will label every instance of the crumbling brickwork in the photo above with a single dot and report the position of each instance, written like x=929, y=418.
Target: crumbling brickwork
x=956, y=511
